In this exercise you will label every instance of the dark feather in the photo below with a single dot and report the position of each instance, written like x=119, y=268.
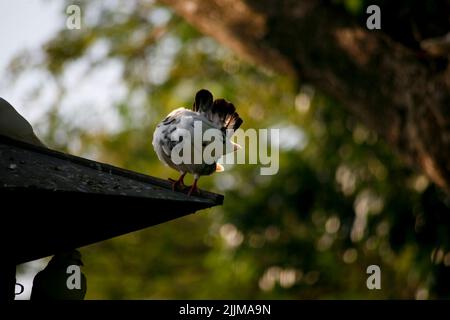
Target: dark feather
x=203, y=101
x=221, y=112
x=227, y=114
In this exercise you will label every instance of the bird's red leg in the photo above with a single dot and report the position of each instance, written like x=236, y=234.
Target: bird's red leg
x=179, y=182
x=193, y=188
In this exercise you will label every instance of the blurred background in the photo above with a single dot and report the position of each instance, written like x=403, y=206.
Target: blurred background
x=341, y=201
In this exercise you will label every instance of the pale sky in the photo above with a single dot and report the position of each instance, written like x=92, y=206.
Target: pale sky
x=25, y=24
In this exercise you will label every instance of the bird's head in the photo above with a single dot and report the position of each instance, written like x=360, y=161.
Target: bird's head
x=203, y=100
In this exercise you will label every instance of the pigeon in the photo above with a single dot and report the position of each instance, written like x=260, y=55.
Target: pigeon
x=219, y=115
x=13, y=125
x=51, y=283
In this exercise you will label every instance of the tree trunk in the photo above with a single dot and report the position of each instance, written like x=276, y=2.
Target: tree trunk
x=394, y=89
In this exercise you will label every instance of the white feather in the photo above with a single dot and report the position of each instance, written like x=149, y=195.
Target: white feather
x=176, y=125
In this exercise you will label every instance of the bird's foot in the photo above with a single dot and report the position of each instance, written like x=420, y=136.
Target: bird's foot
x=194, y=189
x=178, y=184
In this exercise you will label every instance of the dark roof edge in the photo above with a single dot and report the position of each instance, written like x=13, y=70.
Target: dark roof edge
x=103, y=167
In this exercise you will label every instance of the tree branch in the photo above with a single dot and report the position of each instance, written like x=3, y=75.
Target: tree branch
x=389, y=87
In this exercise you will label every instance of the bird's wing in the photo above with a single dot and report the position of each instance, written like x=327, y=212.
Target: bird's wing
x=180, y=125
x=161, y=137
x=225, y=145
x=186, y=123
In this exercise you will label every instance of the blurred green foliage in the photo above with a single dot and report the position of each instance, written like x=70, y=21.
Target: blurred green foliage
x=340, y=202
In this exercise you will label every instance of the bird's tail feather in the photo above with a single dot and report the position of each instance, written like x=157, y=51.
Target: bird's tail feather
x=220, y=111
x=224, y=113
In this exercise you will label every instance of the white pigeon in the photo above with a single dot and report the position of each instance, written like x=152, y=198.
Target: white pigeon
x=219, y=115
